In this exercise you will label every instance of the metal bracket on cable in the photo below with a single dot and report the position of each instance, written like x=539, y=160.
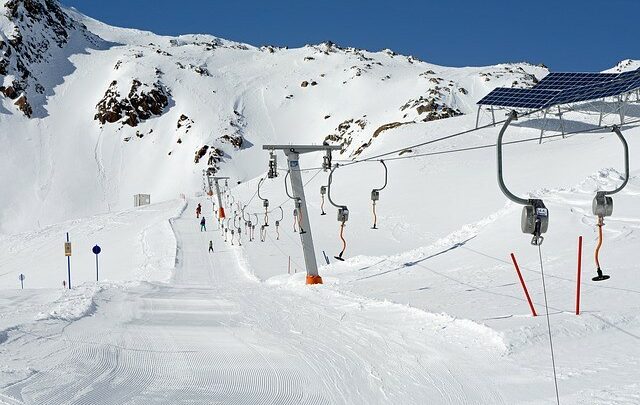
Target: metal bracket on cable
x=535, y=215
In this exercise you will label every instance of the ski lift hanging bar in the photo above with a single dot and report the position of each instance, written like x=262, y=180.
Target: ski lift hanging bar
x=375, y=195
x=323, y=192
x=602, y=205
x=535, y=215
x=265, y=204
x=343, y=215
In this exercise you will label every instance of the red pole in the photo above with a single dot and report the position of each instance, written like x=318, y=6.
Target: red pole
x=524, y=286
x=579, y=275
x=289, y=268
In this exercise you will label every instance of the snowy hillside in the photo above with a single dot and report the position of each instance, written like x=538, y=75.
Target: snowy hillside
x=151, y=112
x=426, y=309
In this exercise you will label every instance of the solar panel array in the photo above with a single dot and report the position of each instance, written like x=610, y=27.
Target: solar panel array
x=564, y=88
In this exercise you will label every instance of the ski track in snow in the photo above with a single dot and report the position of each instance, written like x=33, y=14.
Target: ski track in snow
x=215, y=334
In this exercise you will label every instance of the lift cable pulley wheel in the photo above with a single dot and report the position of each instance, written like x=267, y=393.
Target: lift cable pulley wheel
x=603, y=204
x=343, y=215
x=323, y=192
x=265, y=204
x=535, y=215
x=375, y=195
x=273, y=165
x=278, y=223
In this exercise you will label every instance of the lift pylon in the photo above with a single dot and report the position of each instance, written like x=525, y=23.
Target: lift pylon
x=293, y=153
x=212, y=181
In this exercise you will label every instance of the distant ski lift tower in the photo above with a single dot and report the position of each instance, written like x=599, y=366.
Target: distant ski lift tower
x=141, y=199
x=212, y=182
x=293, y=153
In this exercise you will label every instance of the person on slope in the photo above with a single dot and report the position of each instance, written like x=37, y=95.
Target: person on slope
x=210, y=246
x=198, y=210
x=203, y=225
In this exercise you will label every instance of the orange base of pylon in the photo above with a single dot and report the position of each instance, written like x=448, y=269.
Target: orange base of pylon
x=221, y=213
x=314, y=280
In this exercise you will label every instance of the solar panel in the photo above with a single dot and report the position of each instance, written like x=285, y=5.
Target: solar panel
x=598, y=90
x=519, y=98
x=565, y=88
x=565, y=80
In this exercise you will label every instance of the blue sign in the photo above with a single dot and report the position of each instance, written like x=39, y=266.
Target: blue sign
x=96, y=250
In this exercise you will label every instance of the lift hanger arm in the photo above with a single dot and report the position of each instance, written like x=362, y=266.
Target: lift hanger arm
x=386, y=176
x=616, y=129
x=329, y=188
x=522, y=201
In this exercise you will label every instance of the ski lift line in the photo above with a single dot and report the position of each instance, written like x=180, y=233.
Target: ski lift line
x=546, y=306
x=443, y=138
x=493, y=145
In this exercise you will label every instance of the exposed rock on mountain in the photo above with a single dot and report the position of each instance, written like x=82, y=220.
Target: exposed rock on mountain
x=141, y=103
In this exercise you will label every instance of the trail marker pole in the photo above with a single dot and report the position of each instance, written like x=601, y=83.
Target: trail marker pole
x=579, y=275
x=96, y=250
x=67, y=252
x=21, y=277
x=524, y=286
x=293, y=153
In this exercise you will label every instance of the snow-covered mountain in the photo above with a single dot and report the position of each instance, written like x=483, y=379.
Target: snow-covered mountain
x=93, y=114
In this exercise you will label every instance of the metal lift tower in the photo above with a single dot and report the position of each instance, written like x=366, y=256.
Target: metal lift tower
x=212, y=181
x=293, y=153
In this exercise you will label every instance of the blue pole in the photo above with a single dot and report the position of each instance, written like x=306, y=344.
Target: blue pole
x=97, y=278
x=69, y=264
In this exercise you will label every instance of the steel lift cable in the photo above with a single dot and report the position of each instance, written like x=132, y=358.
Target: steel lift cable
x=375, y=195
x=535, y=221
x=603, y=204
x=343, y=214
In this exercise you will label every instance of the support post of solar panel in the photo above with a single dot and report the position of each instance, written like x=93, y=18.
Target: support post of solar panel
x=544, y=124
x=293, y=153
x=561, y=122
x=478, y=117
x=493, y=116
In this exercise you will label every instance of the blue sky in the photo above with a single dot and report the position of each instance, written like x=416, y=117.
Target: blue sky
x=566, y=35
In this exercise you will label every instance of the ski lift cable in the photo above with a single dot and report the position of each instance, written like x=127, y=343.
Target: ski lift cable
x=443, y=138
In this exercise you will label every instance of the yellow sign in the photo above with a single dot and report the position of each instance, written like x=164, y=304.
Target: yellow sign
x=67, y=248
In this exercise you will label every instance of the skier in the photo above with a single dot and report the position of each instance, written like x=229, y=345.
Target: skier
x=203, y=225
x=198, y=210
x=210, y=246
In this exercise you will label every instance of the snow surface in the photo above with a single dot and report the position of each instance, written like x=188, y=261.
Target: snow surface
x=426, y=309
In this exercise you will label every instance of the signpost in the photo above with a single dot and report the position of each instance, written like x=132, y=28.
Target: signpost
x=96, y=250
x=21, y=277
x=67, y=253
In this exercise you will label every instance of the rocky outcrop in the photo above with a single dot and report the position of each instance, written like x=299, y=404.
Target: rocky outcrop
x=36, y=32
x=141, y=103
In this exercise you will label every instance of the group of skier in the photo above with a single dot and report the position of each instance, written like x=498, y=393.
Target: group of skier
x=203, y=225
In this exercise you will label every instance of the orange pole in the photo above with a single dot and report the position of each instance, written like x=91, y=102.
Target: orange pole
x=579, y=275
x=524, y=286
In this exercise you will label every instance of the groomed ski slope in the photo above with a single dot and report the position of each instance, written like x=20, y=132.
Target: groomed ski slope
x=215, y=334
